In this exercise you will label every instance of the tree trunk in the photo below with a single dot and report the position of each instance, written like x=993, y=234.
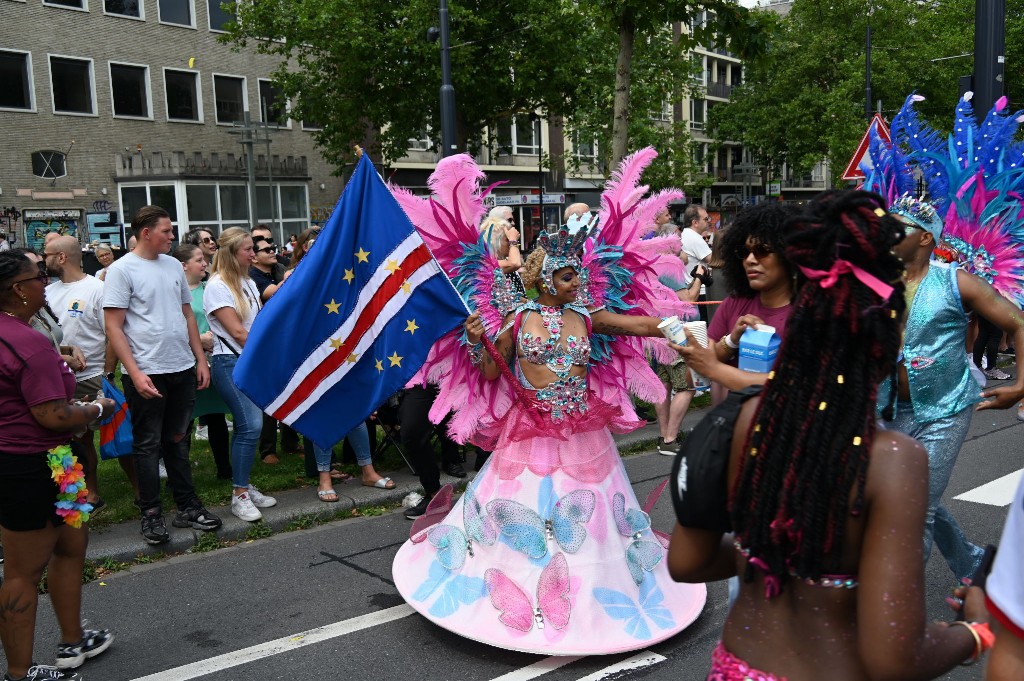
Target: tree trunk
x=623, y=72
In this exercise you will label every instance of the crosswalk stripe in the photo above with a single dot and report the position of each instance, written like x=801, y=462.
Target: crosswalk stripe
x=281, y=645
x=999, y=492
x=538, y=668
x=642, y=659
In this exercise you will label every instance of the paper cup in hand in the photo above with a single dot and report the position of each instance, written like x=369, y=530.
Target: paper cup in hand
x=699, y=331
x=672, y=329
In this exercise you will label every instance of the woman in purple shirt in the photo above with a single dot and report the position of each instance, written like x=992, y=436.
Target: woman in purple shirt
x=37, y=415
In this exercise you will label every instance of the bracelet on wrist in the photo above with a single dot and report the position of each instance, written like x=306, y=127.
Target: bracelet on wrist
x=476, y=353
x=727, y=339
x=984, y=639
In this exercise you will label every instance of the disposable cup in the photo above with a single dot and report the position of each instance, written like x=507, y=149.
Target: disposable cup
x=699, y=331
x=672, y=329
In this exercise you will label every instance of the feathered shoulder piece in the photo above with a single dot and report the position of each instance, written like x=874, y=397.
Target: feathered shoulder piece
x=620, y=270
x=976, y=182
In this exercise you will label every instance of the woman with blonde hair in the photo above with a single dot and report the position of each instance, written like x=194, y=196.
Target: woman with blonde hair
x=231, y=301
x=502, y=240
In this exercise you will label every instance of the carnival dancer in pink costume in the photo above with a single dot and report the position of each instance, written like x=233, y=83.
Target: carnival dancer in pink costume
x=548, y=551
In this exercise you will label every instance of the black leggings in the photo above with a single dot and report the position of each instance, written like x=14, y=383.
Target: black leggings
x=987, y=343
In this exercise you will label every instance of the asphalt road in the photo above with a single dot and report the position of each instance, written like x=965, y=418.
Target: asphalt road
x=201, y=610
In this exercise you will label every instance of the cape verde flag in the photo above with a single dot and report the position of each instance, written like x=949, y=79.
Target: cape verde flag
x=354, y=321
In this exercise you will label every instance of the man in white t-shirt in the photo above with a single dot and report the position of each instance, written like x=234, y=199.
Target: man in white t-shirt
x=695, y=223
x=1004, y=592
x=150, y=326
x=77, y=300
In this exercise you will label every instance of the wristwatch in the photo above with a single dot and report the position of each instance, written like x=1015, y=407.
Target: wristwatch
x=109, y=376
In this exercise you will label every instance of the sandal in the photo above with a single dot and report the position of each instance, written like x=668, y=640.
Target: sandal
x=328, y=495
x=340, y=476
x=382, y=483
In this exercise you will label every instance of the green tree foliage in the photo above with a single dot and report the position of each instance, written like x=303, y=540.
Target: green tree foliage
x=803, y=99
x=356, y=66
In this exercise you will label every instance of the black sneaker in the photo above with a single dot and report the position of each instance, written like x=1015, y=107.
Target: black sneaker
x=196, y=517
x=42, y=672
x=455, y=470
x=153, y=529
x=72, y=655
x=419, y=509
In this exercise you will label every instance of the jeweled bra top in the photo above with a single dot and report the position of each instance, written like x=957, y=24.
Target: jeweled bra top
x=565, y=395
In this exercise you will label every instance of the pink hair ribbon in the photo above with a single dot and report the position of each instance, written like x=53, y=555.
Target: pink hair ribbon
x=831, y=276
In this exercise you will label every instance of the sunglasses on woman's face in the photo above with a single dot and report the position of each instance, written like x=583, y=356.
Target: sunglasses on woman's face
x=759, y=251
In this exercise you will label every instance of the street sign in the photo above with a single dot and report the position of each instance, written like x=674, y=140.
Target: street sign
x=774, y=188
x=853, y=171
x=524, y=200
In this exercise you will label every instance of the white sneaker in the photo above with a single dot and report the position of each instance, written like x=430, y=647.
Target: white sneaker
x=997, y=374
x=202, y=433
x=242, y=507
x=162, y=471
x=259, y=499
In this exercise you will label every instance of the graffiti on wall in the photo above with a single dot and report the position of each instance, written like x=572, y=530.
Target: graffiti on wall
x=10, y=222
x=319, y=215
x=41, y=221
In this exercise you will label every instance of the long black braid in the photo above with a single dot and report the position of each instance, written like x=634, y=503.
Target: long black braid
x=809, y=441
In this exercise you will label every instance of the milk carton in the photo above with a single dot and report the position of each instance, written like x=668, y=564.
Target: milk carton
x=758, y=348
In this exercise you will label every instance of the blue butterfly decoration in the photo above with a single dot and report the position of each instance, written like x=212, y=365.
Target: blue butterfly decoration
x=458, y=590
x=642, y=555
x=560, y=520
x=453, y=544
x=620, y=606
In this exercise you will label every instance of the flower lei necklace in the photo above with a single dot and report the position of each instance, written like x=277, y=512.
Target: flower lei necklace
x=70, y=478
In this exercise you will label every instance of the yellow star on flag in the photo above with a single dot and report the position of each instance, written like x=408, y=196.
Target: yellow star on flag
x=353, y=358
x=406, y=286
x=332, y=307
x=410, y=326
x=362, y=256
x=395, y=360
x=336, y=343
x=392, y=266
x=379, y=365
x=349, y=276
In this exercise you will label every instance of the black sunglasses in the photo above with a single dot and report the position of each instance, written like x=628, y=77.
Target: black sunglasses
x=267, y=249
x=43, y=276
x=759, y=251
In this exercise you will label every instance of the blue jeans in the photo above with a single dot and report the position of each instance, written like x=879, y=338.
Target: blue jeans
x=247, y=418
x=358, y=437
x=942, y=440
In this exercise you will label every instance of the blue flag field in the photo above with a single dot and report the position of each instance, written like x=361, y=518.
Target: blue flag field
x=354, y=321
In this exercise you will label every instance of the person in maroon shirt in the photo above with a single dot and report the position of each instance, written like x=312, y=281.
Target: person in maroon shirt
x=36, y=414
x=761, y=284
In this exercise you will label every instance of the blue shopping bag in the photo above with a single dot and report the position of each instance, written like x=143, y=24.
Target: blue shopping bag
x=116, y=430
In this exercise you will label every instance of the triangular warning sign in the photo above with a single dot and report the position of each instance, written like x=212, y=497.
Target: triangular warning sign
x=853, y=171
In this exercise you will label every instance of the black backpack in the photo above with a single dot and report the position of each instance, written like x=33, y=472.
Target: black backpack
x=700, y=471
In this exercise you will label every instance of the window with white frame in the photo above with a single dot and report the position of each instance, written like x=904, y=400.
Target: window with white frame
x=134, y=197
x=219, y=18
x=664, y=114
x=16, y=92
x=519, y=135
x=584, y=149
x=421, y=142
x=292, y=208
x=184, y=100
x=72, y=86
x=273, y=105
x=125, y=8
x=82, y=5
x=697, y=111
x=178, y=12
x=229, y=94
x=129, y=90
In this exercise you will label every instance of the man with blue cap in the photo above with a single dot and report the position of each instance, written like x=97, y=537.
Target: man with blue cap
x=936, y=392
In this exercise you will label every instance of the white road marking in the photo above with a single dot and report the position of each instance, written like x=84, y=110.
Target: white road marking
x=281, y=645
x=999, y=492
x=642, y=659
x=539, y=668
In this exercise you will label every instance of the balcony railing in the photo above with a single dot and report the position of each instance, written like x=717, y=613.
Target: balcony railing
x=718, y=90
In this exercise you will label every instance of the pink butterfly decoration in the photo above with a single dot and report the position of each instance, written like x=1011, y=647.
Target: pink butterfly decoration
x=518, y=611
x=436, y=511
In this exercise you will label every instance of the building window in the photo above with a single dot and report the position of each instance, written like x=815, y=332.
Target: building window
x=129, y=90
x=219, y=19
x=230, y=98
x=135, y=197
x=583, y=149
x=69, y=4
x=71, y=82
x=527, y=136
x=202, y=202
x=234, y=202
x=124, y=8
x=177, y=12
x=184, y=102
x=697, y=114
x=421, y=142
x=49, y=164
x=16, y=81
x=273, y=106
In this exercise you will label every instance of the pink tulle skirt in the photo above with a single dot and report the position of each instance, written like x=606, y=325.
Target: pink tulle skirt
x=548, y=552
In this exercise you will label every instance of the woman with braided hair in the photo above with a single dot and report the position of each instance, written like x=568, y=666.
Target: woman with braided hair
x=826, y=509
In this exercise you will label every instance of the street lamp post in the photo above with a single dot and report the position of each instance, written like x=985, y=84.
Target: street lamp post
x=448, y=145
